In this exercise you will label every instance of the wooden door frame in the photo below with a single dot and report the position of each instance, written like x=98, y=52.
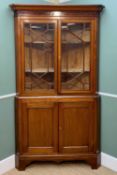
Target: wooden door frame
x=93, y=54
x=93, y=130
x=19, y=25
x=22, y=126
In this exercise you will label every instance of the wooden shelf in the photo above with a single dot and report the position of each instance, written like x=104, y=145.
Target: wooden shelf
x=63, y=43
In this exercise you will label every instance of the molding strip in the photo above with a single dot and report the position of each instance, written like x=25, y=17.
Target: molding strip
x=100, y=93
x=107, y=94
x=109, y=161
x=7, y=164
x=7, y=96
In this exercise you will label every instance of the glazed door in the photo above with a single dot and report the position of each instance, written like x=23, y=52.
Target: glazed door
x=37, y=69
x=76, y=127
x=38, y=127
x=77, y=66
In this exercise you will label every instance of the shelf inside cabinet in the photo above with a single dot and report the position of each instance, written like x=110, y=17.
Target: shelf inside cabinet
x=36, y=43
x=28, y=44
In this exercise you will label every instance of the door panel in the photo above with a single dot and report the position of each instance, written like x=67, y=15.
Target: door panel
x=39, y=56
x=35, y=117
x=77, y=65
x=38, y=127
x=75, y=53
x=76, y=130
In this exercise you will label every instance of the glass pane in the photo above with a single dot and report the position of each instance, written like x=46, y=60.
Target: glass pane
x=75, y=68
x=39, y=56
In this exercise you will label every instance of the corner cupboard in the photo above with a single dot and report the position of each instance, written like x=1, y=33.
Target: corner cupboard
x=57, y=107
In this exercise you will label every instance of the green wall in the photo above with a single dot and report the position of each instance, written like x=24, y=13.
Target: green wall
x=107, y=73
x=7, y=145
x=109, y=126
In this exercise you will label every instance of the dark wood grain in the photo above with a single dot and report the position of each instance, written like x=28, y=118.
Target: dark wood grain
x=80, y=8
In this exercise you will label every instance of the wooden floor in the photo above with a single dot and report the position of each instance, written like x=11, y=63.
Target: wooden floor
x=61, y=169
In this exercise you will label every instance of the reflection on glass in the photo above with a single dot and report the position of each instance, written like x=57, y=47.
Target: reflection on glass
x=39, y=56
x=75, y=68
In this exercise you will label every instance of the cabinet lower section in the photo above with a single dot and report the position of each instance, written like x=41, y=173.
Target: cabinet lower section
x=57, y=129
x=92, y=159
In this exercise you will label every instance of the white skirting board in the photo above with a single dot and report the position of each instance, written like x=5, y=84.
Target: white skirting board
x=106, y=161
x=109, y=161
x=7, y=164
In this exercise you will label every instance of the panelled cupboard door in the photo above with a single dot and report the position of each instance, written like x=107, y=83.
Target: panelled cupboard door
x=37, y=128
x=77, y=125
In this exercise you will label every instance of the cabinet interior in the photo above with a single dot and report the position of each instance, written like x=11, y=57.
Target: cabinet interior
x=39, y=44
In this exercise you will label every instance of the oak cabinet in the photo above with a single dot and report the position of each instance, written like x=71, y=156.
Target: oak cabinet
x=57, y=106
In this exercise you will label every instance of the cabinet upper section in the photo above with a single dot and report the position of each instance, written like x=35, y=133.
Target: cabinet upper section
x=56, y=49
